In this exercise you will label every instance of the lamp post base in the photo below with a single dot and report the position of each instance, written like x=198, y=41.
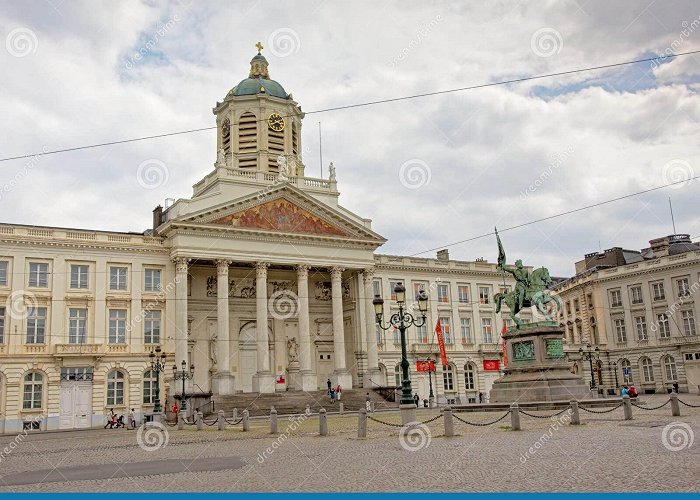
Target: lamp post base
x=408, y=413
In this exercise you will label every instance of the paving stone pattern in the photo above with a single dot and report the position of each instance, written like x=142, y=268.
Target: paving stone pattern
x=604, y=454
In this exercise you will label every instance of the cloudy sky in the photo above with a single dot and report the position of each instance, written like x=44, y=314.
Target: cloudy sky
x=428, y=171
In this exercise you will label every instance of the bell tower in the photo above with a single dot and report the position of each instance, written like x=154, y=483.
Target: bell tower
x=257, y=122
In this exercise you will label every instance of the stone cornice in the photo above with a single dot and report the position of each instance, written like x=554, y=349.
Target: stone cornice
x=91, y=245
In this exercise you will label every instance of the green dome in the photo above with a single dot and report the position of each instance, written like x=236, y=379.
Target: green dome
x=258, y=81
x=253, y=86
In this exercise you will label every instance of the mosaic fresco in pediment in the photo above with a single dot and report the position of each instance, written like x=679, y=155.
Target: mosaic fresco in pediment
x=280, y=215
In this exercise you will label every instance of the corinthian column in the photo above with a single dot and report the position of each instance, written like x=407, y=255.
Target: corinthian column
x=307, y=380
x=263, y=380
x=343, y=377
x=372, y=373
x=181, y=265
x=223, y=381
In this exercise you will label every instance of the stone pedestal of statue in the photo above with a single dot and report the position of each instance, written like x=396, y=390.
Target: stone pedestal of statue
x=537, y=369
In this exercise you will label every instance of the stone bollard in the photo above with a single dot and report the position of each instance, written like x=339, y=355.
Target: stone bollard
x=340, y=408
x=235, y=414
x=515, y=417
x=180, y=420
x=200, y=421
x=627, y=406
x=449, y=423
x=362, y=423
x=675, y=407
x=575, y=416
x=273, y=420
x=307, y=411
x=322, y=422
x=220, y=420
x=246, y=425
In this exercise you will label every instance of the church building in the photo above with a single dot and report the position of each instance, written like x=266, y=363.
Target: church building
x=259, y=282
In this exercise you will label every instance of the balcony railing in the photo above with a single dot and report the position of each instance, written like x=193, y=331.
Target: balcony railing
x=490, y=347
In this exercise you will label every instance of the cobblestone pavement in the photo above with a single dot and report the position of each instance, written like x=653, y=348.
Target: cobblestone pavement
x=653, y=452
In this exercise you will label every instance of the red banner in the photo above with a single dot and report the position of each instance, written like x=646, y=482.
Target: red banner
x=491, y=365
x=441, y=343
x=425, y=366
x=505, y=355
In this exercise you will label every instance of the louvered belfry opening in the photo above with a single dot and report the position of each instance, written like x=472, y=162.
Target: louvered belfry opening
x=248, y=141
x=295, y=139
x=275, y=147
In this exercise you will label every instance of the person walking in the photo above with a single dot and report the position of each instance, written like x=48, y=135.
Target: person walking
x=338, y=392
x=481, y=397
x=332, y=395
x=328, y=382
x=416, y=399
x=111, y=419
x=368, y=402
x=625, y=391
x=132, y=419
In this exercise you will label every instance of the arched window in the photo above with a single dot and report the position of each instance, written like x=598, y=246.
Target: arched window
x=397, y=374
x=647, y=369
x=469, y=377
x=448, y=377
x=115, y=388
x=670, y=369
x=149, y=387
x=626, y=368
x=33, y=391
x=248, y=141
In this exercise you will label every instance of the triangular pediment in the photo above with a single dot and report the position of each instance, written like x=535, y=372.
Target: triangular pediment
x=283, y=210
x=280, y=215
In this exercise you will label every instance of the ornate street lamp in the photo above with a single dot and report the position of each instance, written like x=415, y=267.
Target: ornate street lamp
x=402, y=320
x=613, y=366
x=158, y=366
x=431, y=369
x=590, y=355
x=183, y=375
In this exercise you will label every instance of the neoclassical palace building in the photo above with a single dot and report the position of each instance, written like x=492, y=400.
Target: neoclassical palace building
x=261, y=280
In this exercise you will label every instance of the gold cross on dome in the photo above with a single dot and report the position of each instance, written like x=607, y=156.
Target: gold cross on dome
x=259, y=46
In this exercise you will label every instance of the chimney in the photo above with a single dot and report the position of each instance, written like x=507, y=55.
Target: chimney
x=157, y=217
x=443, y=255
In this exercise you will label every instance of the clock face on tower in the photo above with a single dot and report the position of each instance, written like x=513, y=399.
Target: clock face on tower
x=275, y=122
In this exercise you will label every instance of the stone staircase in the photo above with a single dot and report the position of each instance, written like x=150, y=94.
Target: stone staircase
x=294, y=402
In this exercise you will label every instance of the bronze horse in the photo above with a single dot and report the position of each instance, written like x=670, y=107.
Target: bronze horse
x=535, y=295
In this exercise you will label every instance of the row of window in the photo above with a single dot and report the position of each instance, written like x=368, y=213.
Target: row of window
x=423, y=336
x=35, y=332
x=657, y=289
x=647, y=369
x=38, y=277
x=442, y=291
x=34, y=386
x=661, y=324
x=449, y=376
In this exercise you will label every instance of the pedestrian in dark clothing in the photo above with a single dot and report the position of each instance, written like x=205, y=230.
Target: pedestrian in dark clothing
x=481, y=397
x=416, y=399
x=328, y=382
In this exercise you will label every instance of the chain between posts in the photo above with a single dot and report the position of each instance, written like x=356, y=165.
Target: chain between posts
x=209, y=425
x=654, y=408
x=688, y=404
x=481, y=424
x=170, y=425
x=384, y=423
x=603, y=411
x=233, y=423
x=545, y=416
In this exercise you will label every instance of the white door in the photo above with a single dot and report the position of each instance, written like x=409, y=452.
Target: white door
x=75, y=407
x=248, y=367
x=82, y=405
x=66, y=406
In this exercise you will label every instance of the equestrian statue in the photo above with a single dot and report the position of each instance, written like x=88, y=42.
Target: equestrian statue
x=531, y=289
